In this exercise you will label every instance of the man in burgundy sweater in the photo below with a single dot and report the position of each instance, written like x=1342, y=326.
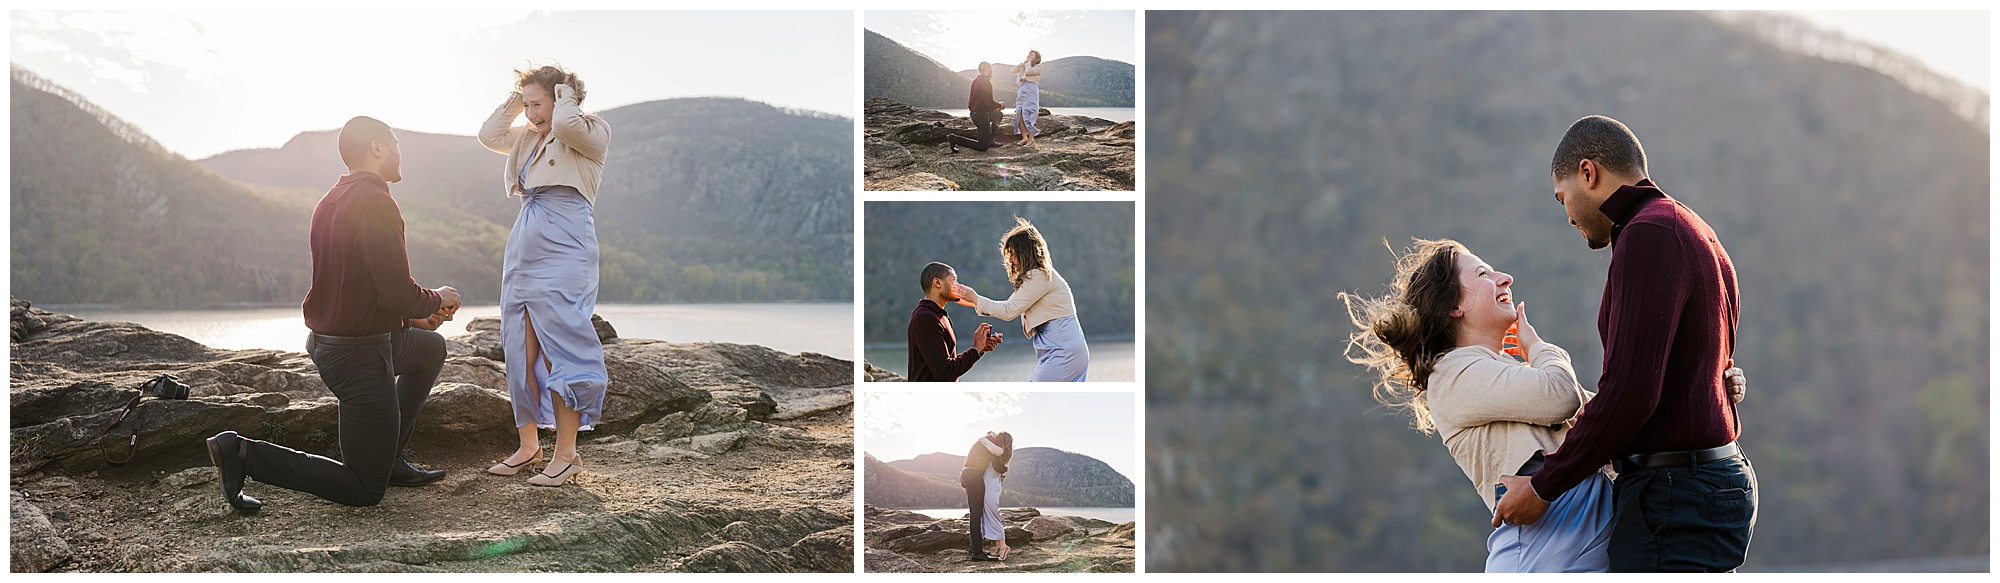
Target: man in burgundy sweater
x=932, y=342
x=1685, y=497
x=373, y=340
x=984, y=110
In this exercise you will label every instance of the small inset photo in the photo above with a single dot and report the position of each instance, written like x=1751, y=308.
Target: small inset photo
x=1000, y=482
x=999, y=291
x=1000, y=100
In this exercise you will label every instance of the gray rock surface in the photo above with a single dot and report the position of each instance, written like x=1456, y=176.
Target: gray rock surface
x=900, y=541
x=35, y=546
x=763, y=483
x=905, y=150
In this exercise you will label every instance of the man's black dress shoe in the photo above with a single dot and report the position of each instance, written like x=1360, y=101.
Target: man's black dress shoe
x=984, y=558
x=407, y=475
x=226, y=451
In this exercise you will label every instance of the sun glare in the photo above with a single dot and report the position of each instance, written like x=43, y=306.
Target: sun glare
x=962, y=39
x=903, y=424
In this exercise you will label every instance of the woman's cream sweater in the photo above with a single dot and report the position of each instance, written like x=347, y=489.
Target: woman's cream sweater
x=1031, y=73
x=572, y=151
x=1043, y=296
x=1494, y=413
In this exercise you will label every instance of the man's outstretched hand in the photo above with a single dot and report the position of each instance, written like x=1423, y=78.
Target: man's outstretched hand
x=1520, y=505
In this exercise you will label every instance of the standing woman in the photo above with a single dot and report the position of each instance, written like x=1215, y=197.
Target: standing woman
x=996, y=474
x=548, y=285
x=1042, y=301
x=1028, y=100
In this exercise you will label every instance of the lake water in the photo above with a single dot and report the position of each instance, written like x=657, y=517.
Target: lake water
x=1115, y=114
x=1109, y=360
x=823, y=327
x=1114, y=515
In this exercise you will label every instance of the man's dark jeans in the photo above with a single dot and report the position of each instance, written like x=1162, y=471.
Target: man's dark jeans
x=974, y=482
x=381, y=389
x=1684, y=518
x=985, y=124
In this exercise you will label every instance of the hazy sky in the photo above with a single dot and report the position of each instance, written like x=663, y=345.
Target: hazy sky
x=961, y=39
x=206, y=82
x=901, y=425
x=1956, y=43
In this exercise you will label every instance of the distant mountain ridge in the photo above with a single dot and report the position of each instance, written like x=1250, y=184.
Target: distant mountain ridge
x=893, y=70
x=101, y=213
x=1037, y=476
x=703, y=199
x=1096, y=81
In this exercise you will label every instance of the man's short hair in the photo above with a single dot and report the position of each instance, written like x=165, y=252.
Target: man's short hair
x=355, y=136
x=1604, y=140
x=934, y=271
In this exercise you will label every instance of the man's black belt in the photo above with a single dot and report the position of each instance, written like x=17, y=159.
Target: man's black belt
x=1668, y=459
x=331, y=340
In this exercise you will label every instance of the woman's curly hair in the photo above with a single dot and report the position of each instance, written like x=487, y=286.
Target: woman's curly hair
x=1404, y=332
x=548, y=77
x=1031, y=252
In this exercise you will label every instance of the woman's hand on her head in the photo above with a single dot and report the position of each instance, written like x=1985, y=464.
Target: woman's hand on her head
x=563, y=91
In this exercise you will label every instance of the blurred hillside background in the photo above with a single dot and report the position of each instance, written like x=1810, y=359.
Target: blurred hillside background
x=706, y=200
x=1850, y=187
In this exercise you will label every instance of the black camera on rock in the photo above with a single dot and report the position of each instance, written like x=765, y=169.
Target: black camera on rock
x=166, y=386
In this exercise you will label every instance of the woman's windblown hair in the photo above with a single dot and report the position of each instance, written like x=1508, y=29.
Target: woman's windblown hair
x=548, y=77
x=1404, y=332
x=1030, y=251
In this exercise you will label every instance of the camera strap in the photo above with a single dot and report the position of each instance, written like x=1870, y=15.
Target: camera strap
x=131, y=445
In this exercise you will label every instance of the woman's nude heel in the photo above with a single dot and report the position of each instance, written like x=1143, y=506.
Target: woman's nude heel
x=505, y=469
x=543, y=478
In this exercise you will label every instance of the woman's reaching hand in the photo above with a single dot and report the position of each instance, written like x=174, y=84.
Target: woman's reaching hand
x=965, y=295
x=1521, y=335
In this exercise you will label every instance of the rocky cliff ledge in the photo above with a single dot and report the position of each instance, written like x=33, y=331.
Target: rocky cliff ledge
x=899, y=541
x=905, y=149
x=709, y=457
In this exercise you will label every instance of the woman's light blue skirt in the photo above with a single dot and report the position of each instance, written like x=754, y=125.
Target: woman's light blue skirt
x=1061, y=356
x=1572, y=537
x=989, y=521
x=550, y=275
x=1028, y=106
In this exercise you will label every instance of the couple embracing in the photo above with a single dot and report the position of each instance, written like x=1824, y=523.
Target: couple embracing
x=1541, y=450
x=1041, y=299
x=983, y=476
x=374, y=338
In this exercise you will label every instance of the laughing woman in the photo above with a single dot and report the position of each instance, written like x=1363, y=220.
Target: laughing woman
x=1042, y=301
x=1439, y=342
x=548, y=284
